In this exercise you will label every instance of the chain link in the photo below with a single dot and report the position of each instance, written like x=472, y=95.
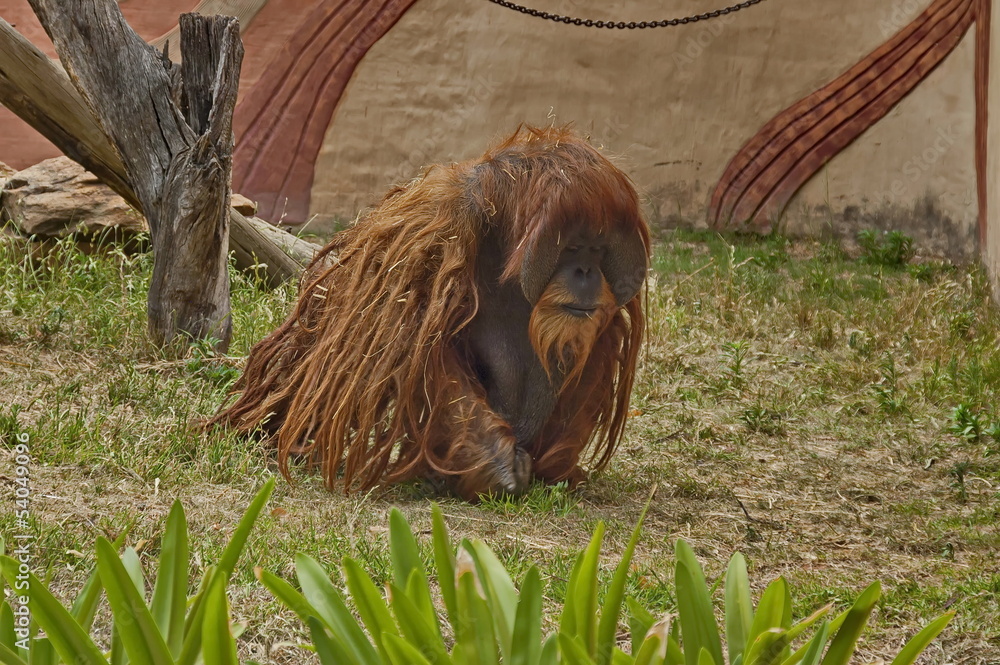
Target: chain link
x=630, y=25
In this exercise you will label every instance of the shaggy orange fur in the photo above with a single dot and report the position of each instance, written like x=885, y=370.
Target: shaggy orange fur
x=371, y=378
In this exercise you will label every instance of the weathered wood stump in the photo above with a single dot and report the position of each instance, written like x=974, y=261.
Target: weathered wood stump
x=39, y=91
x=172, y=127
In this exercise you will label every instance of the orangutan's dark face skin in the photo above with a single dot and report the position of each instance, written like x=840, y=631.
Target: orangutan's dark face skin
x=579, y=273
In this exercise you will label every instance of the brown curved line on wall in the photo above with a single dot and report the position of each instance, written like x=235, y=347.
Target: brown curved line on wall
x=984, y=13
x=763, y=176
x=281, y=123
x=278, y=78
x=739, y=172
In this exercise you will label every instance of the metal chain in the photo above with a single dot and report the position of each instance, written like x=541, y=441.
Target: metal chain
x=630, y=25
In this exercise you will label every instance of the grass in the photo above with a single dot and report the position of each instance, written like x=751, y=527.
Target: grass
x=835, y=418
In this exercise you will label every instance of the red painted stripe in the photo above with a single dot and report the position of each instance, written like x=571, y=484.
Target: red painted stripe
x=983, y=26
x=281, y=124
x=764, y=175
x=761, y=149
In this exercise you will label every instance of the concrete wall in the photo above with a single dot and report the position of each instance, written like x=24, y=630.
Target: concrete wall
x=914, y=170
x=675, y=104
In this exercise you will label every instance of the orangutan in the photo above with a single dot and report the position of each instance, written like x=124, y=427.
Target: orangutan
x=480, y=325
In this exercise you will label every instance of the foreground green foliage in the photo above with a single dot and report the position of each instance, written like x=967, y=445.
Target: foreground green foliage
x=167, y=629
x=490, y=621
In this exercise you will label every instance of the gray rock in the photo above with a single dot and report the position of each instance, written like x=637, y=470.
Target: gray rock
x=243, y=205
x=58, y=198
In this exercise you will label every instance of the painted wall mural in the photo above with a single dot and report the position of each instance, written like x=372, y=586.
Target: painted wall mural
x=802, y=116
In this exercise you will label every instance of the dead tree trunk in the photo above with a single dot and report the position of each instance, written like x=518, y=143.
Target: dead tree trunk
x=40, y=93
x=173, y=130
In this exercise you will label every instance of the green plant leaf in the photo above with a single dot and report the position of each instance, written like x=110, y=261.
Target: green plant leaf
x=231, y=555
x=619, y=657
x=655, y=643
x=772, y=646
x=225, y=567
x=916, y=645
x=767, y=647
x=705, y=658
x=583, y=595
x=501, y=596
x=567, y=620
x=140, y=636
x=8, y=657
x=846, y=640
x=65, y=635
x=607, y=629
x=550, y=650
x=831, y=628
x=813, y=649
x=85, y=606
x=288, y=595
x=191, y=651
x=118, y=655
x=401, y=652
x=640, y=620
x=330, y=650
x=329, y=604
x=370, y=604
x=444, y=560
x=694, y=608
x=804, y=625
x=403, y=548
x=739, y=607
x=405, y=555
x=770, y=611
x=573, y=650
x=527, y=636
x=650, y=651
x=169, y=600
x=130, y=560
x=218, y=643
x=43, y=653
x=419, y=629
x=674, y=654
x=475, y=642
x=8, y=637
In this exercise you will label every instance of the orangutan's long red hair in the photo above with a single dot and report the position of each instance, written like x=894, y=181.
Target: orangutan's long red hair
x=370, y=376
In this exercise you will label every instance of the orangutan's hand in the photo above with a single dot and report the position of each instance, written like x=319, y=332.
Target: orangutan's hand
x=503, y=468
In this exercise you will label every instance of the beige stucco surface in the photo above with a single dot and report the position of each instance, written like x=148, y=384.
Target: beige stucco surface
x=914, y=170
x=675, y=104
x=991, y=254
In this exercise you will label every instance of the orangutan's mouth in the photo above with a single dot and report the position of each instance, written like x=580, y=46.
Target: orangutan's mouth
x=579, y=311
